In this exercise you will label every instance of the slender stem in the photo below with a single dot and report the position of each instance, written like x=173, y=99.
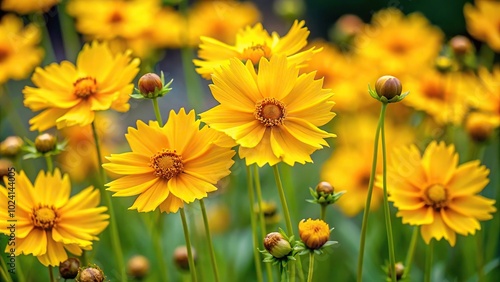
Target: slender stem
x=479, y=255
x=158, y=246
x=411, y=251
x=51, y=274
x=115, y=238
x=387, y=212
x=157, y=111
x=71, y=41
x=323, y=212
x=262, y=220
x=5, y=272
x=311, y=267
x=253, y=221
x=50, y=164
x=428, y=262
x=209, y=237
x=364, y=224
x=192, y=268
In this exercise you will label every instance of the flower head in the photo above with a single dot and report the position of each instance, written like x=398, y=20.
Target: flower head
x=69, y=95
x=27, y=6
x=50, y=221
x=434, y=192
x=68, y=269
x=11, y=146
x=483, y=20
x=273, y=114
x=252, y=44
x=19, y=51
x=487, y=97
x=277, y=245
x=314, y=233
x=169, y=165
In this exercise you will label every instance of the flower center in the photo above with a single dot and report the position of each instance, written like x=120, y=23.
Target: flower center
x=4, y=54
x=255, y=52
x=116, y=18
x=85, y=87
x=167, y=164
x=270, y=112
x=434, y=90
x=399, y=48
x=436, y=196
x=44, y=217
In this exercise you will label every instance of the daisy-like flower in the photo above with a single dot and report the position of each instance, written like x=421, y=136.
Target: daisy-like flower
x=170, y=165
x=69, y=95
x=486, y=98
x=314, y=233
x=27, y=6
x=49, y=221
x=483, y=21
x=434, y=192
x=253, y=43
x=19, y=51
x=273, y=114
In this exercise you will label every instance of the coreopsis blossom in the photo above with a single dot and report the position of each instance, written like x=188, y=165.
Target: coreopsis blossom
x=482, y=21
x=252, y=44
x=27, y=6
x=19, y=50
x=314, y=233
x=69, y=95
x=274, y=114
x=392, y=42
x=436, y=193
x=170, y=165
x=486, y=96
x=49, y=221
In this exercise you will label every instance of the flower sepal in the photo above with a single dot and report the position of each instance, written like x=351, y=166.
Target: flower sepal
x=283, y=260
x=151, y=87
x=324, y=199
x=384, y=99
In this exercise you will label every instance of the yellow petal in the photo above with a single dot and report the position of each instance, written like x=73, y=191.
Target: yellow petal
x=189, y=188
x=171, y=204
x=437, y=229
x=150, y=199
x=460, y=223
x=470, y=178
x=419, y=216
x=475, y=206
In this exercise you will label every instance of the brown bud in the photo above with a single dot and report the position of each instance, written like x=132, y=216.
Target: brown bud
x=181, y=258
x=45, y=143
x=69, y=268
x=5, y=167
x=149, y=83
x=90, y=274
x=277, y=245
x=138, y=266
x=460, y=45
x=324, y=187
x=11, y=146
x=388, y=86
x=349, y=25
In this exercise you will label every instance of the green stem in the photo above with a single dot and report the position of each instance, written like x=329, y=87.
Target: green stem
x=387, y=212
x=209, y=237
x=323, y=212
x=115, y=239
x=4, y=271
x=411, y=251
x=364, y=224
x=311, y=267
x=253, y=221
x=192, y=268
x=51, y=274
x=71, y=41
x=50, y=164
x=428, y=262
x=479, y=255
x=157, y=111
x=193, y=87
x=158, y=246
x=262, y=220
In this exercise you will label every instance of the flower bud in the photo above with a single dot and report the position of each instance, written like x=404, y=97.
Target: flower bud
x=181, y=258
x=399, y=268
x=479, y=126
x=314, y=233
x=324, y=188
x=11, y=146
x=45, y=143
x=276, y=245
x=388, y=86
x=5, y=165
x=138, y=266
x=149, y=83
x=90, y=274
x=68, y=269
x=460, y=45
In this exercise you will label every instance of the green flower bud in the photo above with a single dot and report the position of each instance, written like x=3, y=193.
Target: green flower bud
x=277, y=245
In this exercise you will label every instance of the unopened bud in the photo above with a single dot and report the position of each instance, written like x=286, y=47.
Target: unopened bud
x=181, y=258
x=45, y=143
x=277, y=245
x=90, y=274
x=11, y=146
x=460, y=45
x=138, y=266
x=69, y=268
x=388, y=86
x=399, y=269
x=149, y=83
x=325, y=188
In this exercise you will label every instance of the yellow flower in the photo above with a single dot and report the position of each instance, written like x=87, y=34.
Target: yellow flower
x=219, y=19
x=314, y=233
x=487, y=97
x=27, y=6
x=69, y=95
x=169, y=165
x=398, y=44
x=436, y=193
x=253, y=43
x=483, y=21
x=49, y=220
x=273, y=115
x=19, y=53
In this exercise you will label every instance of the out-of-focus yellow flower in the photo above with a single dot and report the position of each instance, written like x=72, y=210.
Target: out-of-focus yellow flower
x=169, y=165
x=479, y=126
x=27, y=6
x=274, y=114
x=314, y=233
x=483, y=21
x=442, y=96
x=49, y=221
x=397, y=44
x=486, y=96
x=19, y=53
x=252, y=44
x=434, y=192
x=220, y=20
x=69, y=95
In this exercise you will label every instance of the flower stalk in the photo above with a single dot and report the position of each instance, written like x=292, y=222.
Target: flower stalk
x=311, y=267
x=209, y=240
x=253, y=221
x=192, y=268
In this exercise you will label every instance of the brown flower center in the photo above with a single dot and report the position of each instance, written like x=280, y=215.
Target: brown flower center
x=4, y=54
x=116, y=18
x=255, y=52
x=270, y=112
x=85, y=87
x=44, y=217
x=435, y=89
x=436, y=196
x=398, y=47
x=167, y=164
